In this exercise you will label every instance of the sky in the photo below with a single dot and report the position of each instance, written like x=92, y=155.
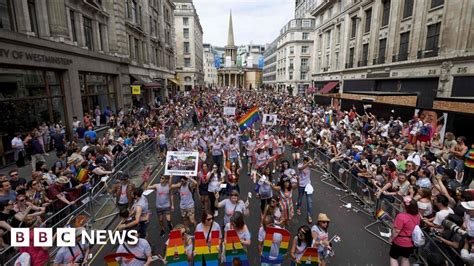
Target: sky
x=256, y=21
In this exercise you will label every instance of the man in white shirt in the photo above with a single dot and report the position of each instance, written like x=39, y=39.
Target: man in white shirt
x=413, y=156
x=19, y=150
x=437, y=221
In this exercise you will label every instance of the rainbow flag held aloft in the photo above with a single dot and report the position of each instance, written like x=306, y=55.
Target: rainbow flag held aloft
x=249, y=118
x=111, y=259
x=309, y=257
x=267, y=245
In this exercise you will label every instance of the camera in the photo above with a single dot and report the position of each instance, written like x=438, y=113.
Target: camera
x=453, y=227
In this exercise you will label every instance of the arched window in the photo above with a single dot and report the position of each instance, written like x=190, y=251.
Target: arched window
x=188, y=79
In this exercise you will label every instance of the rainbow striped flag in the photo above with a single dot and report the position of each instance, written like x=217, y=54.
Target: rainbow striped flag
x=202, y=249
x=310, y=257
x=267, y=245
x=249, y=118
x=234, y=249
x=469, y=162
x=111, y=259
x=82, y=175
x=328, y=119
x=175, y=252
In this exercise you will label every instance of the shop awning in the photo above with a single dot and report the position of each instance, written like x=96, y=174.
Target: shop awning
x=329, y=87
x=174, y=81
x=146, y=82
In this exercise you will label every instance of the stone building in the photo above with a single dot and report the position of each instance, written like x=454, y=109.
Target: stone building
x=422, y=48
x=294, y=50
x=269, y=68
x=62, y=58
x=210, y=56
x=189, y=46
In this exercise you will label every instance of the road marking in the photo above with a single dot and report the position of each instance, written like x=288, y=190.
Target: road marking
x=102, y=247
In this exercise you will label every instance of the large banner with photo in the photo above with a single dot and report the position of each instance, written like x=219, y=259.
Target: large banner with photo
x=181, y=163
x=436, y=119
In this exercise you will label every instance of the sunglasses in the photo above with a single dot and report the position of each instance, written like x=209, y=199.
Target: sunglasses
x=210, y=219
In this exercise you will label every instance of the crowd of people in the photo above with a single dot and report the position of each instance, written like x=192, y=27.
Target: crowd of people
x=412, y=163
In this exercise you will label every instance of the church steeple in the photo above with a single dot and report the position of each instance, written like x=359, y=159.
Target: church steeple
x=230, y=34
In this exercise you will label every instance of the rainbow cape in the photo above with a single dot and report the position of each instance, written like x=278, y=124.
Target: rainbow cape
x=249, y=118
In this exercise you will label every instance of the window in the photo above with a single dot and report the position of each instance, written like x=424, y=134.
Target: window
x=134, y=11
x=382, y=48
x=368, y=19
x=73, y=26
x=187, y=62
x=403, y=50
x=385, y=12
x=292, y=50
x=338, y=34
x=408, y=8
x=186, y=33
x=137, y=49
x=101, y=36
x=328, y=39
x=291, y=65
x=304, y=63
x=354, y=27
x=186, y=48
x=432, y=38
x=152, y=27
x=303, y=75
x=97, y=89
x=365, y=54
x=305, y=36
x=337, y=59
x=304, y=49
x=185, y=21
x=435, y=3
x=32, y=14
x=127, y=9
x=130, y=46
x=327, y=61
x=144, y=52
x=88, y=33
x=351, y=58
x=6, y=14
x=139, y=16
x=306, y=23
x=291, y=75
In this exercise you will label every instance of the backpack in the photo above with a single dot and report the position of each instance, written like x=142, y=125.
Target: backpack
x=418, y=237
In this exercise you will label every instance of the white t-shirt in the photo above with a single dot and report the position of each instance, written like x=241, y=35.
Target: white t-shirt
x=441, y=215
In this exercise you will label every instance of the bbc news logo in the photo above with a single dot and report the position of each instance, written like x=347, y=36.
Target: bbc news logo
x=68, y=237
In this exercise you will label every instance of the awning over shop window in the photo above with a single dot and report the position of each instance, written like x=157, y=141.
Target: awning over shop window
x=146, y=82
x=174, y=81
x=329, y=87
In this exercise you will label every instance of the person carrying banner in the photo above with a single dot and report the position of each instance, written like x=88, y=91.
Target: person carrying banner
x=164, y=202
x=186, y=202
x=141, y=251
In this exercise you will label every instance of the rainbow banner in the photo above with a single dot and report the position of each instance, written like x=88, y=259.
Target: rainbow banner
x=248, y=119
x=310, y=257
x=175, y=253
x=202, y=249
x=267, y=244
x=111, y=259
x=82, y=175
x=234, y=251
x=328, y=119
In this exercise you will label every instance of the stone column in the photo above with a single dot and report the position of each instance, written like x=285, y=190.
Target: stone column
x=58, y=23
x=96, y=37
x=235, y=80
x=22, y=19
x=105, y=37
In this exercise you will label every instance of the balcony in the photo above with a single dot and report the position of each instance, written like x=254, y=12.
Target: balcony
x=326, y=69
x=378, y=61
x=427, y=53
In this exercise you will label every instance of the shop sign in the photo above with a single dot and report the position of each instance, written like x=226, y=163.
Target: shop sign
x=18, y=55
x=135, y=89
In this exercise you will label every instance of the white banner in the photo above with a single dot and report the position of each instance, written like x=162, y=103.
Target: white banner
x=182, y=163
x=269, y=119
x=229, y=110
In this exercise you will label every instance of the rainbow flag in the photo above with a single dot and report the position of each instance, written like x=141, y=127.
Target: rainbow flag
x=249, y=118
x=309, y=257
x=267, y=245
x=469, y=162
x=175, y=253
x=82, y=175
x=328, y=119
x=202, y=249
x=111, y=259
x=234, y=249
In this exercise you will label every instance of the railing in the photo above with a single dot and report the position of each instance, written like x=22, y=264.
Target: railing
x=382, y=209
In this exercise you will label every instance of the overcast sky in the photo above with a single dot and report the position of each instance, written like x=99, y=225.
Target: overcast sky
x=256, y=21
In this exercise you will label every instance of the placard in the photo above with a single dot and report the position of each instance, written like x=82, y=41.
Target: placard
x=135, y=89
x=181, y=163
x=229, y=110
x=270, y=119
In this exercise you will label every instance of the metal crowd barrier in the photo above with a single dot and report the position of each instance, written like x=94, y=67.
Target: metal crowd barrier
x=90, y=200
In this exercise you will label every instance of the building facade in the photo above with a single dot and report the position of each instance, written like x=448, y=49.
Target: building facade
x=303, y=8
x=60, y=59
x=288, y=66
x=250, y=55
x=423, y=47
x=189, y=46
x=269, y=68
x=210, y=71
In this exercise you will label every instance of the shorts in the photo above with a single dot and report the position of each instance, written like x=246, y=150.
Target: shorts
x=396, y=251
x=162, y=147
x=163, y=211
x=187, y=213
x=295, y=150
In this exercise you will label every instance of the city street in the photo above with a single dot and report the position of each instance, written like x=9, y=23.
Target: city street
x=356, y=248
